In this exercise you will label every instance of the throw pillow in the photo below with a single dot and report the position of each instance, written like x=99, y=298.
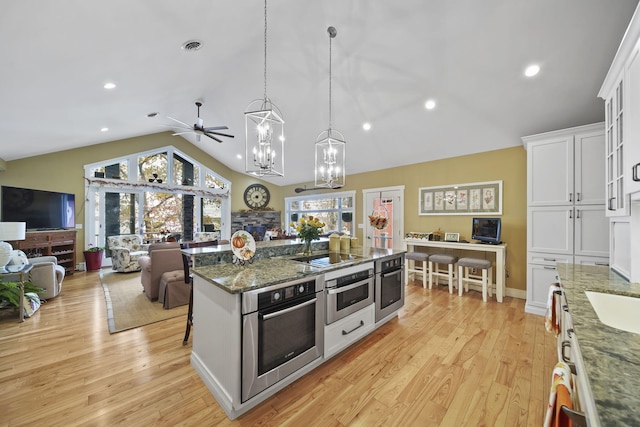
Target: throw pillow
x=18, y=258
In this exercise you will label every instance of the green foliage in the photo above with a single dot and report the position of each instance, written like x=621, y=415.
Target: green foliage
x=10, y=292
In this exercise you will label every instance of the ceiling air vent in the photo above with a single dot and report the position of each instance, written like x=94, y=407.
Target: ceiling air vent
x=191, y=45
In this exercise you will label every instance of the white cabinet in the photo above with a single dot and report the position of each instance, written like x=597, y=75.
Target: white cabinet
x=617, y=202
x=632, y=123
x=344, y=332
x=591, y=231
x=566, y=167
x=620, y=246
x=550, y=161
x=566, y=220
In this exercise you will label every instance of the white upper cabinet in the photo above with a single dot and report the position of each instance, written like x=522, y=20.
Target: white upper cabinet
x=617, y=202
x=632, y=123
x=621, y=92
x=566, y=167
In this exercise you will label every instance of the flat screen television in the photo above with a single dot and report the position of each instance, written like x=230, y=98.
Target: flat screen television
x=486, y=230
x=41, y=210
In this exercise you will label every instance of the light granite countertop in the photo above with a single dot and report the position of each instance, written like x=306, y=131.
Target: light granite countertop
x=268, y=271
x=611, y=356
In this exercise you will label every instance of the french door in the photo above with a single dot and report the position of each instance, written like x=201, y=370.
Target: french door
x=387, y=206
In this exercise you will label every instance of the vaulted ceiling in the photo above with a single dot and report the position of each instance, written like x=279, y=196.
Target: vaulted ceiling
x=388, y=58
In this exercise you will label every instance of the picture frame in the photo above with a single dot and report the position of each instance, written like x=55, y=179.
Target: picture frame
x=474, y=198
x=451, y=237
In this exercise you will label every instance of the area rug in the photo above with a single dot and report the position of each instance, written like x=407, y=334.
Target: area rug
x=128, y=307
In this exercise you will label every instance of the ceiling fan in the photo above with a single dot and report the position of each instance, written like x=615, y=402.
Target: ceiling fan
x=300, y=189
x=199, y=129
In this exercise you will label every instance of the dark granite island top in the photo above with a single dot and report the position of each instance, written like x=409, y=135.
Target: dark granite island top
x=611, y=356
x=271, y=265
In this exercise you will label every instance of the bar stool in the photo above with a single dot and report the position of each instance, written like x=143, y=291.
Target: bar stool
x=448, y=260
x=411, y=266
x=485, y=280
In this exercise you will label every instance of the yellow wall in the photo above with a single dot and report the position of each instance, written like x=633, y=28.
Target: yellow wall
x=64, y=171
x=508, y=165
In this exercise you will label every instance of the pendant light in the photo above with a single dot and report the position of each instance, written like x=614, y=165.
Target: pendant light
x=330, y=146
x=264, y=130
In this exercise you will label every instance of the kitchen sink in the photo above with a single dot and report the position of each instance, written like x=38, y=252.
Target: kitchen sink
x=617, y=311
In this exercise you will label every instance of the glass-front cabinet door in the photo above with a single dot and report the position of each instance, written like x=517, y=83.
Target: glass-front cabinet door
x=614, y=123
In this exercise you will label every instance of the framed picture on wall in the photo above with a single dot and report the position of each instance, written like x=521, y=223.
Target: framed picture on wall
x=451, y=237
x=475, y=198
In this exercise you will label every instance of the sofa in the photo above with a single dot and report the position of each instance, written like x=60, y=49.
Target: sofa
x=125, y=250
x=162, y=275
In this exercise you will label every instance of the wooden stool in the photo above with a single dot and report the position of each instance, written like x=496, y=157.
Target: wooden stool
x=449, y=261
x=485, y=280
x=411, y=267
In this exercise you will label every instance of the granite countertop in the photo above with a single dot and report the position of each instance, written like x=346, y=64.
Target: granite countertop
x=611, y=356
x=264, y=272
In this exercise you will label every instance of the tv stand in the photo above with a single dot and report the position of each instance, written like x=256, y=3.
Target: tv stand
x=58, y=243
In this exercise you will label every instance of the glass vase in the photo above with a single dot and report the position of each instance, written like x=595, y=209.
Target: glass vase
x=306, y=248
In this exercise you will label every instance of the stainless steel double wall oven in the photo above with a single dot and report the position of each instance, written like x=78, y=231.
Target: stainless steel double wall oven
x=282, y=331
x=389, y=285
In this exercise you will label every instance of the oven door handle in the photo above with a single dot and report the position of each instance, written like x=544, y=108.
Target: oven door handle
x=398, y=271
x=288, y=310
x=332, y=291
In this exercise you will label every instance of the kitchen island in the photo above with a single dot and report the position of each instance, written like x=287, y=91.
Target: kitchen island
x=220, y=322
x=611, y=356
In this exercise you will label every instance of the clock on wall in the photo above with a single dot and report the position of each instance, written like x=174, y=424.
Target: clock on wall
x=256, y=196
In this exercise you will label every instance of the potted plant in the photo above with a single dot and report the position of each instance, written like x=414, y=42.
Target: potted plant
x=93, y=257
x=10, y=293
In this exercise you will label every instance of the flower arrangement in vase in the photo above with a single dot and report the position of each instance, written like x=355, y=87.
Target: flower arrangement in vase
x=308, y=230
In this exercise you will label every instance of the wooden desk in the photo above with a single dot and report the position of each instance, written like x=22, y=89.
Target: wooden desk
x=500, y=252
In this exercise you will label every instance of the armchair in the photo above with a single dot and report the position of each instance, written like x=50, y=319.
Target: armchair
x=206, y=236
x=45, y=274
x=161, y=268
x=125, y=251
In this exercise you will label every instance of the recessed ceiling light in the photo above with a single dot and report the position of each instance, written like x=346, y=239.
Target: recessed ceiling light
x=532, y=70
x=366, y=126
x=239, y=156
x=430, y=104
x=104, y=129
x=109, y=85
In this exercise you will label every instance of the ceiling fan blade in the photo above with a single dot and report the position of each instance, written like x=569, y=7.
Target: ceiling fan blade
x=182, y=133
x=300, y=190
x=221, y=134
x=182, y=123
x=215, y=128
x=213, y=137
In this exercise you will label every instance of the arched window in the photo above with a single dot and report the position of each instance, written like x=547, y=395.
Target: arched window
x=157, y=194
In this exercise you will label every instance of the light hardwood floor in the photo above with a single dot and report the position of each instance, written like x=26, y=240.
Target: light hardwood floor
x=446, y=360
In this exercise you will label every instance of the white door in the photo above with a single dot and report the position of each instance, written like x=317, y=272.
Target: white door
x=384, y=203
